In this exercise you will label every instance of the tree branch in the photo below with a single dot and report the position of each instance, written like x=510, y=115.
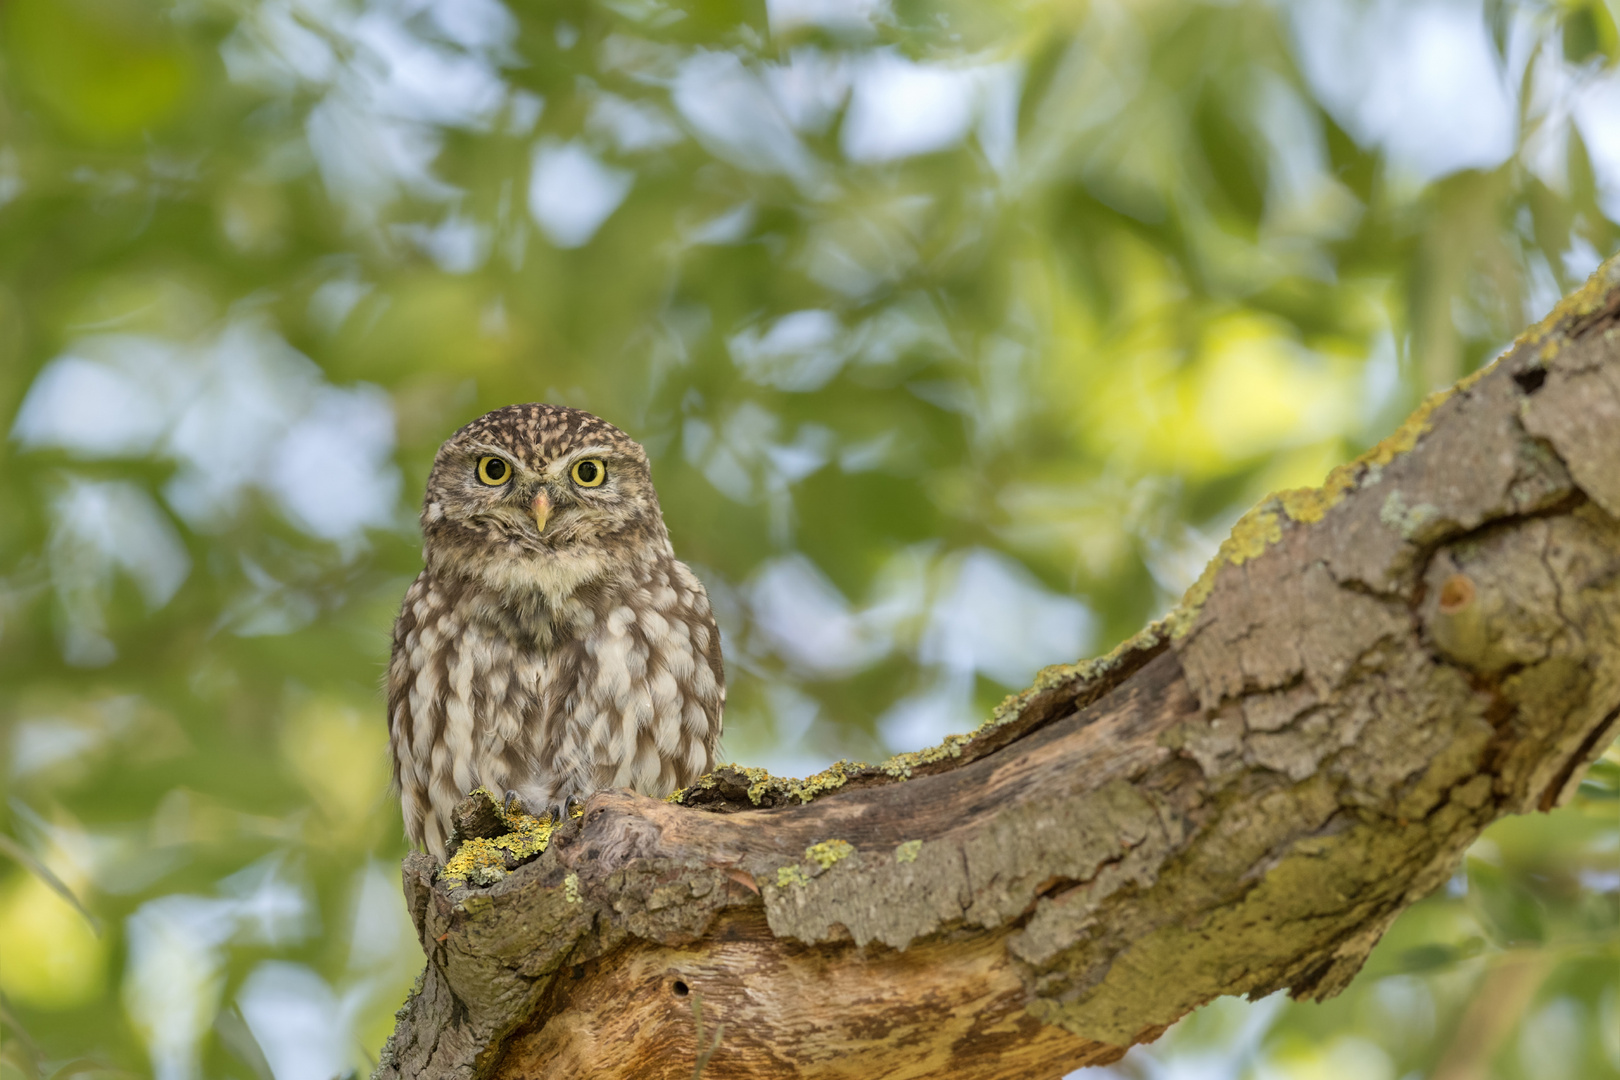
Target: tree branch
x=1240, y=799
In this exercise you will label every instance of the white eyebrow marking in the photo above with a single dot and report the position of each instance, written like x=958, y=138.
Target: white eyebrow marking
x=563, y=463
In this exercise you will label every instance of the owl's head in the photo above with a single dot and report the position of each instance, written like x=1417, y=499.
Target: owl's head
x=540, y=497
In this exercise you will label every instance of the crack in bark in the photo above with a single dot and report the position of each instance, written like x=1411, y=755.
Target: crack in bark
x=1586, y=753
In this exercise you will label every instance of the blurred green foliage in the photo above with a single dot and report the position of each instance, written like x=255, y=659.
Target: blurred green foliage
x=958, y=334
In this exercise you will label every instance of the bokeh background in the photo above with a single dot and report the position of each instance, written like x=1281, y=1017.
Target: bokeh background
x=958, y=332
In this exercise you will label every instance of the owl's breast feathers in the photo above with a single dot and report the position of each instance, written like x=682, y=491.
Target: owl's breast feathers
x=619, y=685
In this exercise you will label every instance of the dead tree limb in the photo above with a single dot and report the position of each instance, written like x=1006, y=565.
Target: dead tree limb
x=1239, y=799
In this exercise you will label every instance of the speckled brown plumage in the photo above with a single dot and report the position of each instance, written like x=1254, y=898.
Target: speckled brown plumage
x=547, y=662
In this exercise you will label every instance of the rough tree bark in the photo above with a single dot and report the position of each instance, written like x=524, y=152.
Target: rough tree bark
x=1239, y=799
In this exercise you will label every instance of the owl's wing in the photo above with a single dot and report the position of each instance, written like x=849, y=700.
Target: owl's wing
x=401, y=673
x=710, y=693
x=406, y=732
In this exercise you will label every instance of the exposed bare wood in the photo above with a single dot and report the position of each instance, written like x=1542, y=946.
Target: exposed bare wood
x=1240, y=799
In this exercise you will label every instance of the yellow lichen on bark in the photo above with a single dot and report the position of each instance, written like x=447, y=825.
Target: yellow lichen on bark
x=828, y=852
x=484, y=860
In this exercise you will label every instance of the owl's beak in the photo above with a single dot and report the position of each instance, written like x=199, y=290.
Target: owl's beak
x=542, y=510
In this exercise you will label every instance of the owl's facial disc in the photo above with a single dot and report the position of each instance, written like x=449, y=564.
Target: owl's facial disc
x=536, y=496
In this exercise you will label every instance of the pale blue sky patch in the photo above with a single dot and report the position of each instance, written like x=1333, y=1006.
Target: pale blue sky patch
x=926, y=717
x=1597, y=114
x=333, y=300
x=332, y=472
x=732, y=111
x=99, y=528
x=11, y=181
x=631, y=126
x=839, y=16
x=995, y=618
x=366, y=161
x=107, y=397
x=236, y=410
x=729, y=227
x=572, y=193
x=175, y=973
x=458, y=244
x=800, y=351
x=899, y=108
x=304, y=1028
x=803, y=618
x=810, y=87
x=480, y=25
x=382, y=88
x=407, y=76
x=523, y=110
x=1421, y=80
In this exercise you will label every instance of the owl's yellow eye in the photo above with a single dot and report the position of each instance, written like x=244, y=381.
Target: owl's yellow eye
x=588, y=472
x=493, y=471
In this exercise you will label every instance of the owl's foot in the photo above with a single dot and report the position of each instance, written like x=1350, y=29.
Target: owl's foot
x=565, y=808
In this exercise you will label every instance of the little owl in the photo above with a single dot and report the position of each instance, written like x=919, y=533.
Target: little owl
x=553, y=645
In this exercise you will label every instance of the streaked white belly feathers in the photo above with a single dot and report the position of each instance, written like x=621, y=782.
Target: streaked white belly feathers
x=630, y=696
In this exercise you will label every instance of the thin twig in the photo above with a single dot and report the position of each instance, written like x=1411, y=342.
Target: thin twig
x=10, y=847
x=719, y=1030
x=9, y=1019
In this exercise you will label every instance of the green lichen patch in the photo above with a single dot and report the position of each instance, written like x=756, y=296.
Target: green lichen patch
x=733, y=783
x=824, y=855
x=828, y=852
x=1253, y=534
x=1262, y=526
x=1072, y=678
x=1308, y=505
x=730, y=785
x=762, y=782
x=1406, y=520
x=485, y=860
x=1585, y=301
x=477, y=862
x=728, y=782
x=907, y=852
x=901, y=765
x=571, y=888
x=1076, y=676
x=831, y=778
